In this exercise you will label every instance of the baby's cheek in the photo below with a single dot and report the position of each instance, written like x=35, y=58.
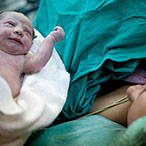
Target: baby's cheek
x=27, y=45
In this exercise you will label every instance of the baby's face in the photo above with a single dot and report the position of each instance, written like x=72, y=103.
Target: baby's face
x=16, y=32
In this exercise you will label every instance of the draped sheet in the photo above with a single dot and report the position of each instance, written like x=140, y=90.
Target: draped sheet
x=105, y=40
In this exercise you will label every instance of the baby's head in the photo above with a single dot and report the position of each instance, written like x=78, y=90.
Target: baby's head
x=2, y=16
x=16, y=32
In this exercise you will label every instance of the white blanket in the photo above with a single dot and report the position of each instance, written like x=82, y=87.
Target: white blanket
x=41, y=99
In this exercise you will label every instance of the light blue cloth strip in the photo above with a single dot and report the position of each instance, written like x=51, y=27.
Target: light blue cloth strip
x=89, y=131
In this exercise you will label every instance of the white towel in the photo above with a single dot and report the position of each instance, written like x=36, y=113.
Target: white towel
x=41, y=99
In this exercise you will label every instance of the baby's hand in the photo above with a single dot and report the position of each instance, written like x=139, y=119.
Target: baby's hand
x=57, y=34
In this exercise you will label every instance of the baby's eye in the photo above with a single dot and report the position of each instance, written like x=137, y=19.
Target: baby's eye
x=27, y=31
x=10, y=23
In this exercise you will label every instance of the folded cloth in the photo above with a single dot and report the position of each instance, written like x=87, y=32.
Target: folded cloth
x=41, y=99
x=139, y=77
x=104, y=41
x=134, y=135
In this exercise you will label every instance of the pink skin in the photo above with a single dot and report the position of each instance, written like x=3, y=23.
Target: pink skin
x=44, y=52
x=15, y=34
x=15, y=42
x=57, y=35
x=137, y=96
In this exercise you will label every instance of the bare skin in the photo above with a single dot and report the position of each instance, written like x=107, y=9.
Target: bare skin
x=117, y=113
x=15, y=43
x=127, y=112
x=137, y=96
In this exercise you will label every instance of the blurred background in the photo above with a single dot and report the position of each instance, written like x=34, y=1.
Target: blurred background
x=27, y=7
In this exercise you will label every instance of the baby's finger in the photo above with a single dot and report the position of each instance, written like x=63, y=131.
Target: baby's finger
x=58, y=28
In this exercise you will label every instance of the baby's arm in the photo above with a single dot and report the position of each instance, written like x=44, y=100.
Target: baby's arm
x=42, y=56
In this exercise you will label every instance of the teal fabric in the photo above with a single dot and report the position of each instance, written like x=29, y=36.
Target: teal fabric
x=90, y=131
x=105, y=40
x=134, y=135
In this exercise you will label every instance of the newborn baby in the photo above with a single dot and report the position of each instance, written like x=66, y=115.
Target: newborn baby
x=16, y=35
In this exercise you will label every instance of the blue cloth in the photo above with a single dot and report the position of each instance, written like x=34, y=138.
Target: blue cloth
x=89, y=131
x=105, y=40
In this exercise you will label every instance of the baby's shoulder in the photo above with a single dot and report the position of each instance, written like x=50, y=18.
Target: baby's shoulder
x=14, y=60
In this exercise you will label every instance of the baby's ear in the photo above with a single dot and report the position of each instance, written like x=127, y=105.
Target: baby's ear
x=33, y=35
x=36, y=43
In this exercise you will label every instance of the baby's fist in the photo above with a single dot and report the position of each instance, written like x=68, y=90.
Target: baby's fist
x=58, y=33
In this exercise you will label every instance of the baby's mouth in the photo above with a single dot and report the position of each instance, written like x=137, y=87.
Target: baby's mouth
x=16, y=40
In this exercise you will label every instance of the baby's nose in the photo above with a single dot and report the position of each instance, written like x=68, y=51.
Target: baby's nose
x=18, y=31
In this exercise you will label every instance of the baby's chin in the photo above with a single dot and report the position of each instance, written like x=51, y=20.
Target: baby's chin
x=14, y=51
x=14, y=48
